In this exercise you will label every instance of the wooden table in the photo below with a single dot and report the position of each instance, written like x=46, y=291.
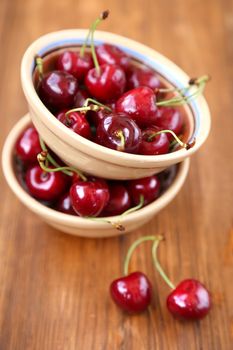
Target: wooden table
x=54, y=287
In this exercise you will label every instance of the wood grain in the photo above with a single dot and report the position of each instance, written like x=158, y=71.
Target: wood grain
x=54, y=287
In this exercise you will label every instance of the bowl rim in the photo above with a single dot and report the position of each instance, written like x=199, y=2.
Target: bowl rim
x=62, y=218
x=47, y=41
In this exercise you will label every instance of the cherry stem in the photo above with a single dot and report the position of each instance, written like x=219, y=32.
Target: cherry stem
x=199, y=83
x=83, y=48
x=132, y=248
x=102, y=16
x=157, y=264
x=49, y=157
x=95, y=102
x=84, y=109
x=138, y=206
x=119, y=134
x=182, y=144
x=39, y=65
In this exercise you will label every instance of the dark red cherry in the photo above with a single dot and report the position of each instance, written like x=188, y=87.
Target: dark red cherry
x=148, y=187
x=45, y=186
x=89, y=198
x=189, y=300
x=96, y=117
x=111, y=54
x=77, y=122
x=140, y=105
x=75, y=64
x=118, y=132
x=154, y=145
x=57, y=89
x=28, y=145
x=138, y=76
x=64, y=205
x=132, y=293
x=107, y=85
x=80, y=98
x=169, y=118
x=119, y=200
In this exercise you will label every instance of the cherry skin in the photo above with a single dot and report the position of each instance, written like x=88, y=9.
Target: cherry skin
x=189, y=300
x=157, y=145
x=45, y=186
x=132, y=293
x=138, y=76
x=75, y=64
x=89, y=198
x=111, y=54
x=140, y=105
x=107, y=133
x=28, y=145
x=77, y=122
x=80, y=98
x=57, y=89
x=119, y=200
x=107, y=85
x=64, y=205
x=148, y=187
x=171, y=119
x=96, y=117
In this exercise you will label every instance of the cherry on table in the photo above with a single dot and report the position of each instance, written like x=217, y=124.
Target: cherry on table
x=75, y=121
x=142, y=76
x=28, y=145
x=119, y=200
x=153, y=144
x=148, y=187
x=111, y=54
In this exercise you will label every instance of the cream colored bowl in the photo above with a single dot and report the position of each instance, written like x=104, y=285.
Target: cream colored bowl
x=74, y=224
x=86, y=155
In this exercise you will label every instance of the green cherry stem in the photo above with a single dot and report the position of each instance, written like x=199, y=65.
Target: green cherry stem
x=83, y=48
x=177, y=139
x=138, y=206
x=95, y=102
x=119, y=134
x=39, y=65
x=48, y=157
x=157, y=264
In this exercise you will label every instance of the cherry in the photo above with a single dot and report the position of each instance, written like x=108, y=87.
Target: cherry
x=140, y=105
x=64, y=205
x=148, y=187
x=28, y=145
x=45, y=185
x=89, y=198
x=189, y=300
x=171, y=119
x=119, y=200
x=75, y=121
x=111, y=54
x=76, y=63
x=57, y=89
x=118, y=132
x=132, y=293
x=154, y=145
x=138, y=76
x=96, y=117
x=80, y=98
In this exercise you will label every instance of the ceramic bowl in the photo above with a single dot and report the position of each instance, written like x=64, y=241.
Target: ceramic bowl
x=86, y=155
x=73, y=224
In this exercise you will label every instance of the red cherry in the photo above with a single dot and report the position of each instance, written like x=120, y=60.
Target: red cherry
x=157, y=145
x=77, y=122
x=80, y=98
x=57, y=89
x=64, y=205
x=112, y=54
x=96, y=117
x=145, y=76
x=189, y=300
x=140, y=105
x=148, y=187
x=75, y=64
x=28, y=145
x=171, y=119
x=132, y=293
x=118, y=132
x=119, y=200
x=89, y=198
x=107, y=84
x=45, y=186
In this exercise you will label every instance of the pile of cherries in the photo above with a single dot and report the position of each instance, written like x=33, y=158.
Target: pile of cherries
x=106, y=97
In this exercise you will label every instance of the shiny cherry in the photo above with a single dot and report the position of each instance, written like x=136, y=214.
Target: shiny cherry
x=119, y=132
x=132, y=293
x=57, y=89
x=80, y=98
x=119, y=200
x=154, y=145
x=111, y=54
x=138, y=76
x=189, y=300
x=45, y=186
x=171, y=119
x=75, y=63
x=64, y=205
x=77, y=122
x=89, y=198
x=28, y=145
x=106, y=84
x=148, y=187
x=140, y=105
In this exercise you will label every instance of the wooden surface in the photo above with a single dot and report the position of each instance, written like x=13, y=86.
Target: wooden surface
x=54, y=287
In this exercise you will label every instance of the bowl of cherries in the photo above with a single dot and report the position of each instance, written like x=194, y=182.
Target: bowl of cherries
x=110, y=106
